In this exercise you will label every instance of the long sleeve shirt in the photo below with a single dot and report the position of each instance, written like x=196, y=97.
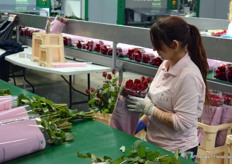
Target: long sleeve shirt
x=180, y=91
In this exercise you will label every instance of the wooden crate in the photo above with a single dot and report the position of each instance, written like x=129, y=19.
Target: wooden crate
x=36, y=42
x=207, y=152
x=40, y=38
x=49, y=54
x=229, y=146
x=103, y=118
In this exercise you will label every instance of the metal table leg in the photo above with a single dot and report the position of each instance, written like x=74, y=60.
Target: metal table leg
x=69, y=82
x=24, y=77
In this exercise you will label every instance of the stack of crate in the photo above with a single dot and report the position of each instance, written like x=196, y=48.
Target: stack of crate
x=47, y=48
x=207, y=152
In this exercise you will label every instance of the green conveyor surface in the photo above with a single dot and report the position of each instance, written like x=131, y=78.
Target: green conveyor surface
x=90, y=136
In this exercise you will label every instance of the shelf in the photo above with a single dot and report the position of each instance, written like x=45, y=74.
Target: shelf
x=216, y=84
x=216, y=47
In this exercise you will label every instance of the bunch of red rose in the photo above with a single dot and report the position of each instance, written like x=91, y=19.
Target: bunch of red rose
x=218, y=33
x=118, y=52
x=89, y=45
x=216, y=99
x=229, y=72
x=220, y=73
x=104, y=49
x=80, y=44
x=137, y=87
x=227, y=99
x=156, y=61
x=97, y=47
x=135, y=54
x=27, y=32
x=67, y=41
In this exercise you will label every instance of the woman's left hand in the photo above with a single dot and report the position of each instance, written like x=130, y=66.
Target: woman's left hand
x=138, y=104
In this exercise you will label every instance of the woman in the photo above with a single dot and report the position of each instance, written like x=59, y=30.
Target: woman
x=178, y=92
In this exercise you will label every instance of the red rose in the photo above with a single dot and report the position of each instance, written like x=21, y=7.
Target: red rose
x=120, y=83
x=99, y=95
x=146, y=58
x=79, y=44
x=97, y=47
x=109, y=76
x=110, y=51
x=149, y=80
x=92, y=90
x=136, y=81
x=104, y=74
x=139, y=87
x=87, y=91
x=145, y=85
x=129, y=84
x=114, y=71
x=143, y=78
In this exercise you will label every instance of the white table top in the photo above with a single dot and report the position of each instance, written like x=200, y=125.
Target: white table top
x=27, y=63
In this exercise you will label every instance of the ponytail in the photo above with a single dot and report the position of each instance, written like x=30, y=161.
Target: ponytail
x=197, y=53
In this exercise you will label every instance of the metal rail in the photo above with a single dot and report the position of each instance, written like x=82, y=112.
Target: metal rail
x=216, y=48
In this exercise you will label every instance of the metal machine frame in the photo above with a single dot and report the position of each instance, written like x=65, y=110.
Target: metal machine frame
x=216, y=48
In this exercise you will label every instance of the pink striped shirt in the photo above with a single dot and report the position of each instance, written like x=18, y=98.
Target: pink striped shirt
x=180, y=91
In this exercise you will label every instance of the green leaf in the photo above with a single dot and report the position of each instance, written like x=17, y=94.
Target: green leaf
x=177, y=152
x=136, y=144
x=82, y=155
x=152, y=155
x=149, y=162
x=141, y=151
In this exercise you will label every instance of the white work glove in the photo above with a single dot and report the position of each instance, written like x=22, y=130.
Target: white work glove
x=138, y=104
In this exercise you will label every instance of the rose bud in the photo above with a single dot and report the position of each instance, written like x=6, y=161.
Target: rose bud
x=120, y=83
x=149, y=80
x=143, y=78
x=113, y=71
x=92, y=90
x=87, y=91
x=109, y=76
x=99, y=95
x=104, y=74
x=129, y=84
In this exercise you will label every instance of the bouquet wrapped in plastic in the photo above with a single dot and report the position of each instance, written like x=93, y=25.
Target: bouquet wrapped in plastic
x=122, y=118
x=55, y=26
x=37, y=122
x=7, y=102
x=226, y=117
x=219, y=112
x=19, y=130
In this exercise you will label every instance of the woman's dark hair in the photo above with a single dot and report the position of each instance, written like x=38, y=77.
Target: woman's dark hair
x=170, y=28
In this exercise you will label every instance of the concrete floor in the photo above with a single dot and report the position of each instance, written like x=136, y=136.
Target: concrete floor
x=54, y=88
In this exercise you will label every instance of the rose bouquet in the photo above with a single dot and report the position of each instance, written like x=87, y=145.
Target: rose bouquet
x=156, y=61
x=137, y=87
x=8, y=102
x=122, y=118
x=226, y=117
x=212, y=113
x=135, y=54
x=220, y=72
x=80, y=44
x=67, y=41
x=229, y=72
x=55, y=26
x=89, y=45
